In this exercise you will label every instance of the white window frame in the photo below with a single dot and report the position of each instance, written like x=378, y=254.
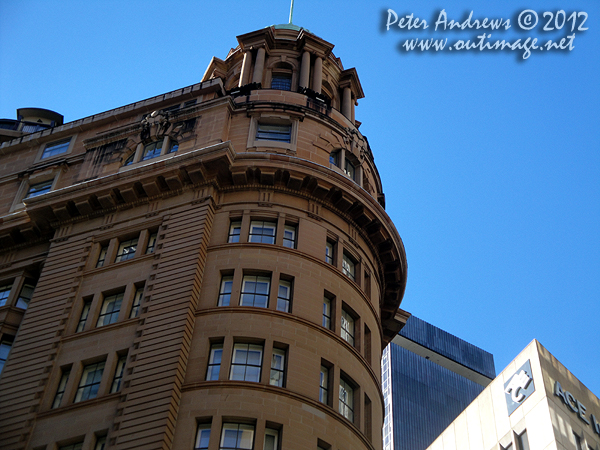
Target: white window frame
x=273, y=119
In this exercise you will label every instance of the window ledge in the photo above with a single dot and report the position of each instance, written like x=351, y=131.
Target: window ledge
x=113, y=326
x=95, y=402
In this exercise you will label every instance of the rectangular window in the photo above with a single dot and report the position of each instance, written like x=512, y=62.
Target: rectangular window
x=5, y=346
x=329, y=258
x=281, y=81
x=367, y=344
x=4, y=293
x=277, y=368
x=100, y=443
x=111, y=306
x=347, y=327
x=102, y=256
x=234, y=232
x=84, y=315
x=62, y=385
x=39, y=188
x=119, y=371
x=284, y=296
x=56, y=148
x=90, y=382
x=263, y=232
x=152, y=150
x=202, y=436
x=274, y=132
x=349, y=169
x=255, y=291
x=324, y=385
x=578, y=444
x=25, y=296
x=214, y=362
x=349, y=267
x=76, y=446
x=327, y=313
x=237, y=436
x=271, y=439
x=137, y=301
x=246, y=362
x=522, y=441
x=346, y=400
x=289, y=236
x=126, y=250
x=151, y=243
x=225, y=291
x=368, y=419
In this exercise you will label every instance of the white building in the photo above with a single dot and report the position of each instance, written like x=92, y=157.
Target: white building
x=534, y=404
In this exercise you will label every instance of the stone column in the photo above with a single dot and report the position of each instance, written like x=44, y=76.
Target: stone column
x=347, y=103
x=318, y=75
x=245, y=68
x=259, y=66
x=305, y=69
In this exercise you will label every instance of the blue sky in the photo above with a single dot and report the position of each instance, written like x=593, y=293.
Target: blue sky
x=490, y=163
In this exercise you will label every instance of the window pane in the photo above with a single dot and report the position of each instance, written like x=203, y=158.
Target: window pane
x=237, y=436
x=110, y=310
x=346, y=400
x=126, y=250
x=349, y=169
x=326, y=313
x=269, y=132
x=284, y=295
x=255, y=291
x=56, y=148
x=347, y=331
x=25, y=296
x=329, y=252
x=203, y=436
x=225, y=292
x=84, y=315
x=151, y=243
x=152, y=150
x=137, y=301
x=324, y=385
x=60, y=391
x=282, y=82
x=5, y=347
x=523, y=441
x=4, y=293
x=214, y=362
x=234, y=232
x=262, y=232
x=348, y=267
x=271, y=439
x=277, y=368
x=246, y=362
x=90, y=381
x=39, y=189
x=289, y=236
x=102, y=256
x=119, y=370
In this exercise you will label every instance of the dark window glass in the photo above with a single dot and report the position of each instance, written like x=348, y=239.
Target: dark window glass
x=4, y=293
x=152, y=150
x=119, y=371
x=60, y=391
x=25, y=296
x=126, y=250
x=234, y=231
x=225, y=292
x=137, y=300
x=84, y=315
x=90, y=382
x=39, y=189
x=111, y=306
x=289, y=236
x=214, y=362
x=56, y=148
x=277, y=377
x=282, y=82
x=237, y=436
x=284, y=296
x=268, y=132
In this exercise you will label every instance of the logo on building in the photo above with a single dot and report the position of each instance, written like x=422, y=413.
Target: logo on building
x=519, y=387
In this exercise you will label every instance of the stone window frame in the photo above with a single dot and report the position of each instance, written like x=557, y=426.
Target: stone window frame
x=14, y=286
x=254, y=144
x=88, y=311
x=43, y=147
x=135, y=158
x=32, y=180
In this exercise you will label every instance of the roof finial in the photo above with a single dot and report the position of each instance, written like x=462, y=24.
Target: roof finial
x=291, y=11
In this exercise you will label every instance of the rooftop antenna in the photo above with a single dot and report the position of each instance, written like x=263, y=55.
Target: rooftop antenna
x=291, y=11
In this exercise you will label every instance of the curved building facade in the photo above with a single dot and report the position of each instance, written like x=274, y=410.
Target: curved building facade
x=211, y=268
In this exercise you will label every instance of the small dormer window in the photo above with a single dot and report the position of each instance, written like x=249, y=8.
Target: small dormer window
x=281, y=81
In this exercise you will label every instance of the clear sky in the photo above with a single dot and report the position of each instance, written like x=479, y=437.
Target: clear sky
x=490, y=163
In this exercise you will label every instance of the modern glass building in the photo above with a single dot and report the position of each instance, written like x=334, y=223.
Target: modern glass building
x=429, y=377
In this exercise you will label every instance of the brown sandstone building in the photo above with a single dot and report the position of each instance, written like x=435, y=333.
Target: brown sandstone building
x=211, y=268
